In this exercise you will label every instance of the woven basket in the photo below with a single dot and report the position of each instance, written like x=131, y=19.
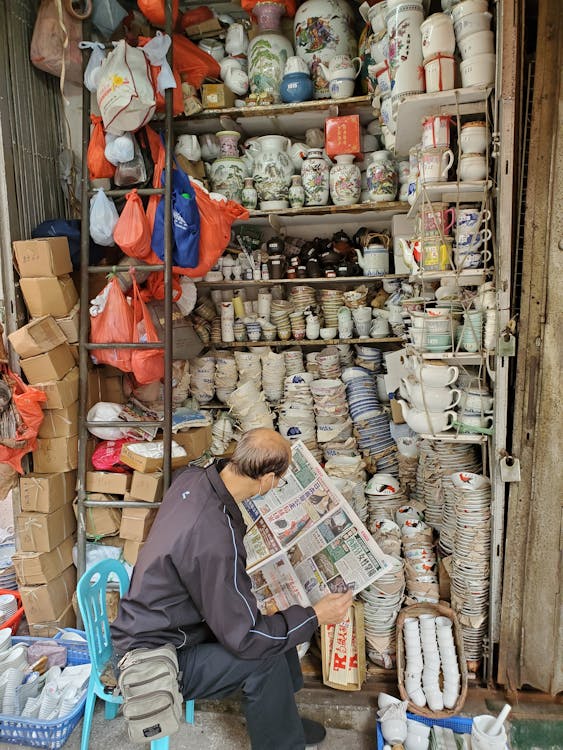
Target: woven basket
x=438, y=610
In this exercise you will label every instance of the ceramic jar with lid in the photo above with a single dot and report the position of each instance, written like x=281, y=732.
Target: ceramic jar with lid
x=382, y=177
x=345, y=181
x=269, y=51
x=315, y=178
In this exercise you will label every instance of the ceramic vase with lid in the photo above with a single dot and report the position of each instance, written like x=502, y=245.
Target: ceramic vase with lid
x=272, y=171
x=382, y=177
x=296, y=192
x=345, y=181
x=315, y=178
x=323, y=29
x=249, y=194
x=268, y=52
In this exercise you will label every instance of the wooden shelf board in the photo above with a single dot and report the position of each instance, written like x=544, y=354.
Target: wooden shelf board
x=303, y=342
x=226, y=284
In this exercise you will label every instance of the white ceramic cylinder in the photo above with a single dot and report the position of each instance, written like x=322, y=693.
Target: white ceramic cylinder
x=437, y=35
x=439, y=73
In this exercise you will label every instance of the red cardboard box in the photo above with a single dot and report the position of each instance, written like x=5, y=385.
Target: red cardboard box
x=342, y=135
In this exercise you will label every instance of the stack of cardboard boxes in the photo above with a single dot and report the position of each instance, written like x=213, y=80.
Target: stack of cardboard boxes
x=45, y=527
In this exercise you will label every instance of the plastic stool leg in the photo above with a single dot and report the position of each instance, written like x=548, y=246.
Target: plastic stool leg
x=111, y=710
x=190, y=710
x=87, y=723
x=161, y=744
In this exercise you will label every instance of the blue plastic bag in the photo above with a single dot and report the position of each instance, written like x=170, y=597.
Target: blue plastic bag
x=185, y=222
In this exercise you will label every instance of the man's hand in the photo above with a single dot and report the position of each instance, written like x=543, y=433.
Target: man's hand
x=332, y=608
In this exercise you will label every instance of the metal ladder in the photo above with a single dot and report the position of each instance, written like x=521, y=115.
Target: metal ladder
x=85, y=347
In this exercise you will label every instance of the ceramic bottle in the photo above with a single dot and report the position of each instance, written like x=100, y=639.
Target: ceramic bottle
x=345, y=181
x=249, y=194
x=296, y=192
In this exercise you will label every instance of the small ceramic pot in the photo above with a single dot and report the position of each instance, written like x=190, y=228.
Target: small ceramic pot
x=439, y=73
x=472, y=167
x=436, y=131
x=478, y=70
x=437, y=35
x=474, y=138
x=296, y=87
x=341, y=88
x=249, y=194
x=480, y=43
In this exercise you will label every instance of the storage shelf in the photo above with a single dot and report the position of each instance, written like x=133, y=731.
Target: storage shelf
x=395, y=207
x=460, y=358
x=454, y=437
x=468, y=277
x=226, y=284
x=414, y=109
x=449, y=192
x=303, y=342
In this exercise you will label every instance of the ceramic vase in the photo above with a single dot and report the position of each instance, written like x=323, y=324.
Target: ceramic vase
x=405, y=48
x=249, y=194
x=227, y=175
x=273, y=169
x=296, y=192
x=228, y=142
x=323, y=29
x=382, y=177
x=345, y=181
x=268, y=52
x=315, y=178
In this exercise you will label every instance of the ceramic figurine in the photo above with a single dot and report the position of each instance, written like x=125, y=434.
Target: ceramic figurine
x=315, y=178
x=345, y=181
x=268, y=52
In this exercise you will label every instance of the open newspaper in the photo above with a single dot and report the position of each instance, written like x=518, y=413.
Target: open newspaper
x=305, y=541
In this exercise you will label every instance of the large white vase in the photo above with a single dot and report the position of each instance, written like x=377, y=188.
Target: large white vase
x=269, y=51
x=323, y=29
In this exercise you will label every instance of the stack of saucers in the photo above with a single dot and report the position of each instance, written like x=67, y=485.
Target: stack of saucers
x=296, y=415
x=273, y=376
x=225, y=374
x=471, y=555
x=331, y=302
x=249, y=367
x=421, y=567
x=279, y=316
x=331, y=410
x=8, y=607
x=385, y=497
x=345, y=355
x=202, y=384
x=368, y=357
x=382, y=602
x=7, y=570
x=293, y=359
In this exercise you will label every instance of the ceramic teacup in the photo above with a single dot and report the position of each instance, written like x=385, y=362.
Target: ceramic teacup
x=435, y=163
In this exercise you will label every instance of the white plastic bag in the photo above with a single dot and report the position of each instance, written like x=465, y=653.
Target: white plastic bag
x=156, y=51
x=119, y=148
x=106, y=411
x=125, y=93
x=103, y=218
x=94, y=67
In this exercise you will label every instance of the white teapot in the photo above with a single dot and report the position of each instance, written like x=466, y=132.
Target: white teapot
x=341, y=66
x=427, y=422
x=424, y=397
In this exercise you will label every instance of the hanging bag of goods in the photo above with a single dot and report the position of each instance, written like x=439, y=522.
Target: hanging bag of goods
x=21, y=415
x=153, y=10
x=54, y=44
x=147, y=365
x=98, y=166
x=132, y=232
x=111, y=322
x=125, y=92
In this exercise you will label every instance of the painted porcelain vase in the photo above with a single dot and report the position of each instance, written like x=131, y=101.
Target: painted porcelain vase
x=296, y=192
x=315, y=178
x=227, y=175
x=273, y=168
x=249, y=195
x=345, y=181
x=323, y=29
x=382, y=177
x=269, y=51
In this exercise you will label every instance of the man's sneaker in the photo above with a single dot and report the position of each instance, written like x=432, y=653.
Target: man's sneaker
x=314, y=732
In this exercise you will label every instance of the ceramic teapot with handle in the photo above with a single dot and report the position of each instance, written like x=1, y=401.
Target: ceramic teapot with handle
x=341, y=66
x=375, y=258
x=427, y=422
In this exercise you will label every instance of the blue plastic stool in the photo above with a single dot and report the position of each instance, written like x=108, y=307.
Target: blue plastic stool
x=91, y=593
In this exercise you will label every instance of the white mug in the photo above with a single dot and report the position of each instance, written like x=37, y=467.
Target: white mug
x=469, y=219
x=471, y=241
x=435, y=164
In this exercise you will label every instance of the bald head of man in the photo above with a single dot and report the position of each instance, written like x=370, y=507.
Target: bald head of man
x=260, y=452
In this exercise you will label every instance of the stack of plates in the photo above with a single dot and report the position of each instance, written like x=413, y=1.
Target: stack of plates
x=382, y=602
x=470, y=568
x=302, y=298
x=7, y=570
x=369, y=357
x=8, y=607
x=331, y=302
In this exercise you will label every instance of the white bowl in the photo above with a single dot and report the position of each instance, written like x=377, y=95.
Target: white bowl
x=468, y=7
x=478, y=70
x=384, y=699
x=479, y=43
x=328, y=333
x=416, y=742
x=418, y=698
x=394, y=731
x=471, y=25
x=416, y=727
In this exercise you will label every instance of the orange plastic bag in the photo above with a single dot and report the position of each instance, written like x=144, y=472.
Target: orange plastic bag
x=27, y=402
x=192, y=63
x=153, y=10
x=132, y=232
x=177, y=97
x=114, y=324
x=98, y=166
x=147, y=365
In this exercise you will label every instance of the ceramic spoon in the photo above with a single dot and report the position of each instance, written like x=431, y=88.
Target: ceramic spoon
x=495, y=729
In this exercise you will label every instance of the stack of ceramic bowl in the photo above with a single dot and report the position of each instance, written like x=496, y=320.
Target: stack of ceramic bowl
x=222, y=433
x=249, y=368
x=8, y=607
x=296, y=416
x=346, y=467
x=7, y=570
x=382, y=602
x=432, y=330
x=202, y=384
x=293, y=359
x=273, y=376
x=249, y=407
x=387, y=535
x=302, y=298
x=385, y=497
x=355, y=298
x=215, y=335
x=472, y=24
x=470, y=564
x=353, y=492
x=225, y=374
x=297, y=323
x=328, y=360
x=279, y=316
x=407, y=460
x=431, y=663
x=331, y=410
x=368, y=357
x=346, y=355
x=331, y=302
x=413, y=661
x=312, y=366
x=469, y=336
x=421, y=567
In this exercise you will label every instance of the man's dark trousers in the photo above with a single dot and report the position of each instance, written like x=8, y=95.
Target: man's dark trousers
x=268, y=686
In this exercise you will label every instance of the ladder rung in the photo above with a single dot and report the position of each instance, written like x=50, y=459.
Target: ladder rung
x=125, y=345
x=125, y=423
x=119, y=504
x=125, y=269
x=122, y=192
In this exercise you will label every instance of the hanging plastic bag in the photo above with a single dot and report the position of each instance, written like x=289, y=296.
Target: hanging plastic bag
x=93, y=69
x=98, y=166
x=134, y=172
x=119, y=148
x=132, y=232
x=27, y=403
x=107, y=15
x=112, y=324
x=153, y=10
x=193, y=63
x=162, y=75
x=103, y=218
x=185, y=222
x=147, y=365
x=54, y=44
x=107, y=411
x=125, y=93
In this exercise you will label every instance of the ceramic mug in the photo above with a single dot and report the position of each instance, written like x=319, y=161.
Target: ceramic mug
x=436, y=218
x=435, y=164
x=472, y=167
x=465, y=259
x=471, y=241
x=469, y=219
x=436, y=131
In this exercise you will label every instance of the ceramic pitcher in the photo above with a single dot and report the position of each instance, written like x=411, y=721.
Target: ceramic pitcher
x=273, y=167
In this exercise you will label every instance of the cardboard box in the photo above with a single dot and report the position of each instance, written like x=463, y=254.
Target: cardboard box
x=136, y=523
x=192, y=103
x=101, y=521
x=112, y=390
x=45, y=493
x=203, y=29
x=47, y=602
x=396, y=412
x=34, y=568
x=131, y=551
x=195, y=441
x=147, y=487
x=42, y=532
x=60, y=393
x=60, y=422
x=39, y=336
x=49, y=295
x=194, y=169
x=216, y=96
x=53, y=365
x=49, y=256
x=342, y=135
x=70, y=325
x=107, y=482
x=55, y=454
x=130, y=457
x=49, y=629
